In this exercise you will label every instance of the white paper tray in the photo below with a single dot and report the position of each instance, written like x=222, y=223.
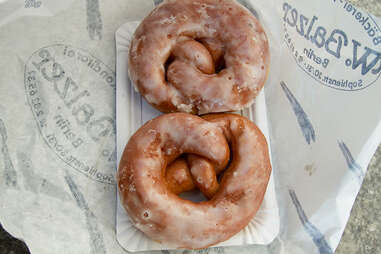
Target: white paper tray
x=132, y=111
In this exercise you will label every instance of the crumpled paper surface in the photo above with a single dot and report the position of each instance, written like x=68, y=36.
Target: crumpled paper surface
x=57, y=120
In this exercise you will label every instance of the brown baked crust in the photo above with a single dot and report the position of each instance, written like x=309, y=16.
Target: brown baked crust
x=199, y=56
x=160, y=213
x=185, y=175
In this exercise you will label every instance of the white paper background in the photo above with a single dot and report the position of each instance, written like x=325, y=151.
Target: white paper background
x=58, y=209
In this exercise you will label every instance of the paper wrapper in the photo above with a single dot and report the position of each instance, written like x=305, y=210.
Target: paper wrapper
x=57, y=119
x=132, y=112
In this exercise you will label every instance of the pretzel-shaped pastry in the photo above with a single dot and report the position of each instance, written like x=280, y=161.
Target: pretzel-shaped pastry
x=165, y=217
x=185, y=175
x=199, y=56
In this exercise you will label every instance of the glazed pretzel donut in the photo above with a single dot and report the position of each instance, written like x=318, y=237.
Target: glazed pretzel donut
x=165, y=217
x=195, y=171
x=199, y=56
x=185, y=175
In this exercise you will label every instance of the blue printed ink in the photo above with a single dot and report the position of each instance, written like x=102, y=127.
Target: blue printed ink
x=366, y=64
x=35, y=183
x=364, y=21
x=157, y=2
x=97, y=245
x=9, y=171
x=32, y=4
x=317, y=237
x=216, y=250
x=332, y=45
x=341, y=39
x=304, y=122
x=352, y=164
x=94, y=19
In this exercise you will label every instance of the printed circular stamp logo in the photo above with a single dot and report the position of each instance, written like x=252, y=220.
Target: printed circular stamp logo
x=71, y=94
x=339, y=46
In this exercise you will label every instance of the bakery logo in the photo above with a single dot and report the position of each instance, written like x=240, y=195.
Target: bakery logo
x=71, y=94
x=32, y=4
x=341, y=59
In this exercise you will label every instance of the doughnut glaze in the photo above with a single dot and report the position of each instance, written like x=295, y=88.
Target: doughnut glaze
x=150, y=198
x=199, y=56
